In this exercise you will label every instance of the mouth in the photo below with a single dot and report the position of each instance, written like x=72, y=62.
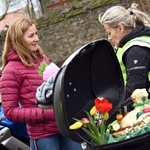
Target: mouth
x=34, y=45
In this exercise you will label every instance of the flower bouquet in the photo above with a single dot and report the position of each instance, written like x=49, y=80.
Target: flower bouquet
x=48, y=70
x=45, y=91
x=95, y=123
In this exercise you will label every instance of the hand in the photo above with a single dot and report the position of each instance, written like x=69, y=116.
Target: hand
x=44, y=93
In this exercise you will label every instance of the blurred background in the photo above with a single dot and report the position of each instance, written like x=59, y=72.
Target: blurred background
x=63, y=25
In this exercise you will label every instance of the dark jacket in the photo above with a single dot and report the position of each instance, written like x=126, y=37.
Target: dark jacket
x=18, y=84
x=134, y=58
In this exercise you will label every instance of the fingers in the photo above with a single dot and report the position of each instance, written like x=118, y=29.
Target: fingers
x=49, y=93
x=38, y=93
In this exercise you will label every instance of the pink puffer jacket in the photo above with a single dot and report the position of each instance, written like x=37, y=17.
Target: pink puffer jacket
x=18, y=84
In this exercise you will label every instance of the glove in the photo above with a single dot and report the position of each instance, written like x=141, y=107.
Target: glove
x=44, y=94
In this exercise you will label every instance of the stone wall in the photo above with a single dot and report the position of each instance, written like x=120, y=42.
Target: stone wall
x=62, y=39
x=75, y=25
x=59, y=40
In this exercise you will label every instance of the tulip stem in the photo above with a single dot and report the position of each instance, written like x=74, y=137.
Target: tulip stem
x=102, y=130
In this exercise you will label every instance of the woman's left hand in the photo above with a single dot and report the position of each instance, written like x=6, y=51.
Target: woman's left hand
x=44, y=94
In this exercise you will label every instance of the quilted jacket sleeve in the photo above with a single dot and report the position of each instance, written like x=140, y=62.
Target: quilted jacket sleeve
x=12, y=97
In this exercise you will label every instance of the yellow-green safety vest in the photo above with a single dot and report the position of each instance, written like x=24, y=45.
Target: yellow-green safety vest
x=143, y=41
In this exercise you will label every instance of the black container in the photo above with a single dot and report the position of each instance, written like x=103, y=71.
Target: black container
x=90, y=72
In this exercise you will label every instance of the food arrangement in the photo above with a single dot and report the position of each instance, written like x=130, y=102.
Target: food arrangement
x=135, y=122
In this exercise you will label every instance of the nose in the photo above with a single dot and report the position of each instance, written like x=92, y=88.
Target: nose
x=109, y=38
x=36, y=38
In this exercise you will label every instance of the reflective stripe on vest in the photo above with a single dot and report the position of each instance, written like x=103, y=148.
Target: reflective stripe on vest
x=143, y=41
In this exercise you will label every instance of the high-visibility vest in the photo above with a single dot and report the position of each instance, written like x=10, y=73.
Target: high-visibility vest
x=143, y=41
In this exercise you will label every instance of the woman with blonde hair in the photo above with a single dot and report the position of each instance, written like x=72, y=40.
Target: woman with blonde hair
x=129, y=32
x=134, y=6
x=18, y=84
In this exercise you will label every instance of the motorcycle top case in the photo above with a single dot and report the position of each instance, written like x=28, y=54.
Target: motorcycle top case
x=90, y=72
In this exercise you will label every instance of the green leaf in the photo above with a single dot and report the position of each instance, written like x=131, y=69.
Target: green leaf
x=93, y=137
x=92, y=125
x=42, y=67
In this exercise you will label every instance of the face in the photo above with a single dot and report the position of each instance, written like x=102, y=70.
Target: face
x=31, y=38
x=115, y=34
x=134, y=7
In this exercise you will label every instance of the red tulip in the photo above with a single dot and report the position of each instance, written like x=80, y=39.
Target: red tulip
x=103, y=105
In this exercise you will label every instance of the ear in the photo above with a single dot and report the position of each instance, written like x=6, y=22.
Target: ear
x=120, y=27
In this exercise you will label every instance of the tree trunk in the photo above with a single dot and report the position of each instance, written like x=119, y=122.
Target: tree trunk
x=41, y=5
x=32, y=10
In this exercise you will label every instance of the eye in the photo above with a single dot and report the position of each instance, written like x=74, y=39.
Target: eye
x=31, y=35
